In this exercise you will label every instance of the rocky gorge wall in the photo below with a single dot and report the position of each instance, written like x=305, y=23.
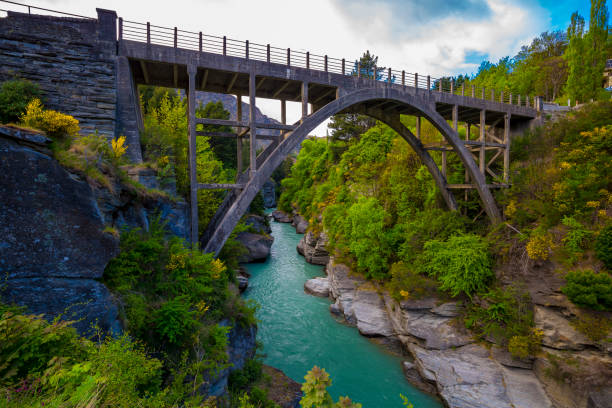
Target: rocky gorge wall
x=58, y=233
x=443, y=357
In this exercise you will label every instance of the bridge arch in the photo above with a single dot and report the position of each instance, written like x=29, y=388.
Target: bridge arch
x=354, y=101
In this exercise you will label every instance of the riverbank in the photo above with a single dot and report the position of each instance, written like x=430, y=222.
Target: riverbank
x=444, y=358
x=297, y=332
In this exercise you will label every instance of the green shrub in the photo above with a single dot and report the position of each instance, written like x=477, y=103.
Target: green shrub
x=527, y=345
x=48, y=364
x=603, y=247
x=250, y=373
x=462, y=264
x=175, y=319
x=28, y=343
x=577, y=237
x=589, y=289
x=594, y=327
x=501, y=314
x=14, y=97
x=407, y=283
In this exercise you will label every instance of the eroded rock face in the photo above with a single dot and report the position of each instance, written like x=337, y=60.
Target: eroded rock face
x=300, y=224
x=258, y=223
x=85, y=301
x=317, y=287
x=558, y=333
x=432, y=326
x=268, y=192
x=313, y=248
x=240, y=348
x=358, y=301
x=257, y=245
x=52, y=241
x=50, y=223
x=468, y=377
x=281, y=216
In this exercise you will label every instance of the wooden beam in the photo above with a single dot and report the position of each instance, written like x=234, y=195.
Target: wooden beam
x=260, y=83
x=204, y=79
x=231, y=135
x=145, y=73
x=418, y=127
x=324, y=95
x=232, y=82
x=221, y=122
x=281, y=89
x=470, y=186
x=220, y=186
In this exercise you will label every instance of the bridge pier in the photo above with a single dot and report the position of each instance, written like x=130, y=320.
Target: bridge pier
x=193, y=171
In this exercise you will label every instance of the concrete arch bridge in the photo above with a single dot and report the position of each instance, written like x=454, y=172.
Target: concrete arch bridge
x=170, y=57
x=131, y=53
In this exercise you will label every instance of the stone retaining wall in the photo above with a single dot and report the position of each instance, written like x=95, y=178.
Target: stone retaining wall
x=73, y=60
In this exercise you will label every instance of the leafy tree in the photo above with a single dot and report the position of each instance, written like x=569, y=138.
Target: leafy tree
x=316, y=395
x=224, y=148
x=589, y=289
x=586, y=53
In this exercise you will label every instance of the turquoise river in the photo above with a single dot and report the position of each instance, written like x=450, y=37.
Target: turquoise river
x=298, y=332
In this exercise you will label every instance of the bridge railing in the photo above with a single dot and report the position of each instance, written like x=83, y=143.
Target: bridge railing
x=174, y=37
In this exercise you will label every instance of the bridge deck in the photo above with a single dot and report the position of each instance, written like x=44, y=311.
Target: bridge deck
x=161, y=65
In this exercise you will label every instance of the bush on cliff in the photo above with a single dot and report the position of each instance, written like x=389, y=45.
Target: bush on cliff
x=56, y=125
x=14, y=98
x=462, y=264
x=589, y=289
x=48, y=365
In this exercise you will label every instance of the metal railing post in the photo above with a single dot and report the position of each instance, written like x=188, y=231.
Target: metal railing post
x=343, y=66
x=326, y=63
x=175, y=37
x=389, y=76
x=268, y=53
x=358, y=69
x=246, y=49
x=224, y=45
x=201, y=42
x=120, y=28
x=288, y=57
x=307, y=59
x=148, y=33
x=403, y=78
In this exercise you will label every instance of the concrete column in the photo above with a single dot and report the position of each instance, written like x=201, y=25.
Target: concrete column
x=239, y=138
x=444, y=165
x=252, y=126
x=507, y=149
x=304, y=100
x=418, y=127
x=193, y=174
x=481, y=156
x=455, y=117
x=283, y=115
